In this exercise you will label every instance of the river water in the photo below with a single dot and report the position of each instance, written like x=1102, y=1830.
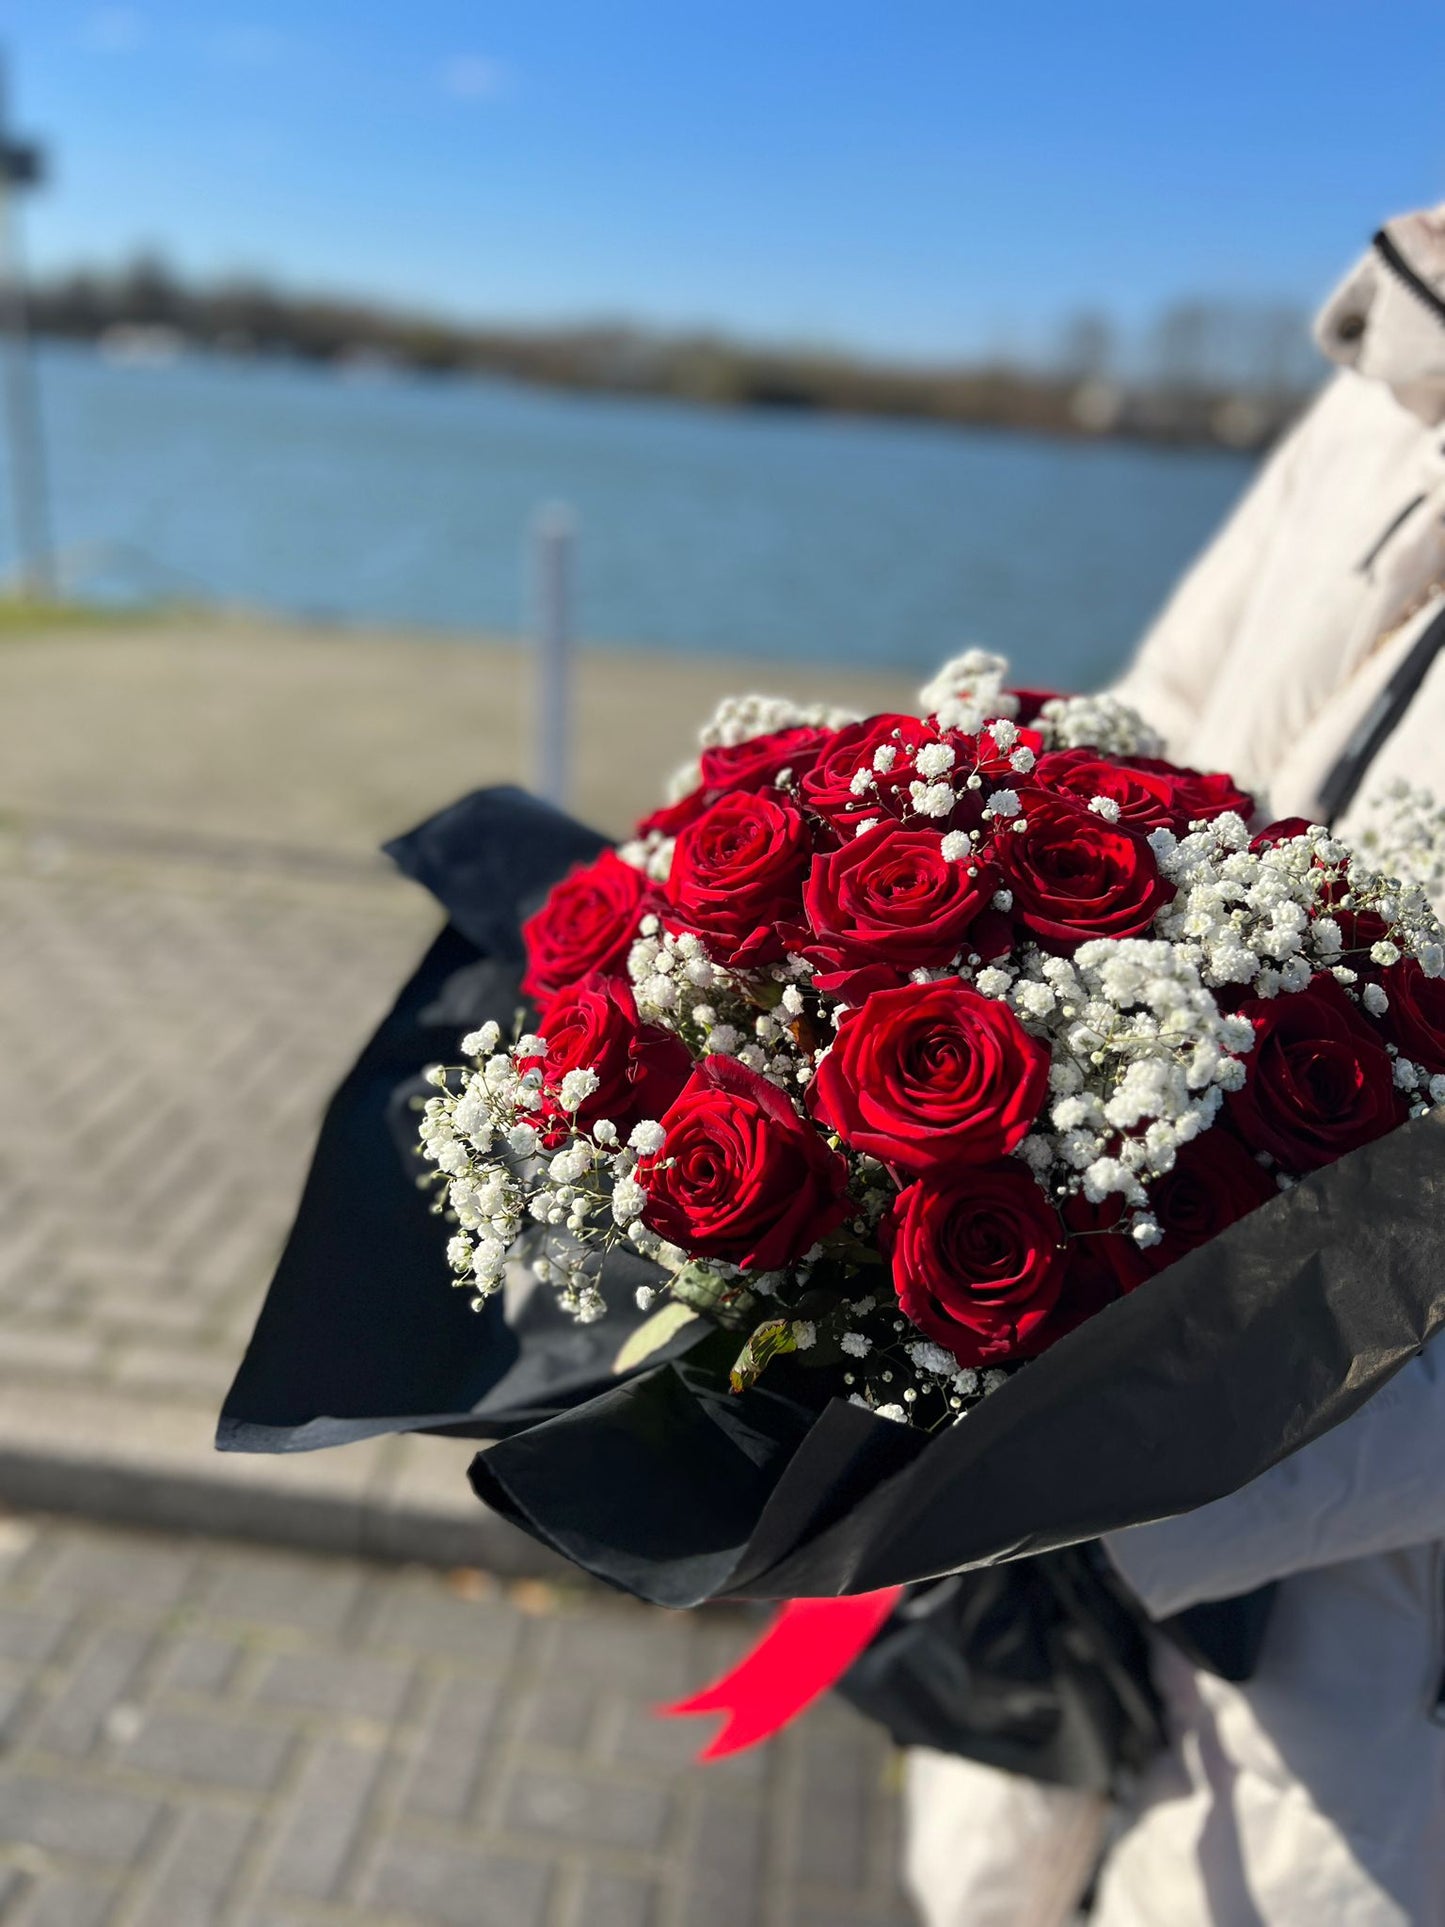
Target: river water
x=405, y=499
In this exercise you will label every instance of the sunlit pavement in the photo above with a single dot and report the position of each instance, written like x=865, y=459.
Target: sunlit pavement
x=195, y=1732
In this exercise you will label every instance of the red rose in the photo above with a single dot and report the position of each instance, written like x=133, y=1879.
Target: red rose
x=671, y=819
x=1074, y=876
x=754, y=765
x=594, y=1026
x=741, y=1176
x=1285, y=830
x=1360, y=931
x=1214, y=1183
x=977, y=1260
x=1093, y=1268
x=1319, y=1081
x=1031, y=701
x=1145, y=798
x=890, y=897
x=1100, y=1253
x=757, y=765
x=1199, y=795
x=981, y=756
x=587, y=923
x=737, y=873
x=1415, y=1021
x=828, y=785
x=929, y=1076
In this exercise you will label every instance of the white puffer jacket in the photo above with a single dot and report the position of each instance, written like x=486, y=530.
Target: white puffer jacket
x=1313, y=1796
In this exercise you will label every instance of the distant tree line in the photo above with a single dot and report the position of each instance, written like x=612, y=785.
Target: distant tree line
x=1212, y=374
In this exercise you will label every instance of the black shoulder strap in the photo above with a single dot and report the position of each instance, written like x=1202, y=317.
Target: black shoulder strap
x=1380, y=721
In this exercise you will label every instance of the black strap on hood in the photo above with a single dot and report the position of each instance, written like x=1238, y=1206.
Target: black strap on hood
x=1380, y=721
x=1395, y=261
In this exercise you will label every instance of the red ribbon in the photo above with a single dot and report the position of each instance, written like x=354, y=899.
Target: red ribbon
x=810, y=1644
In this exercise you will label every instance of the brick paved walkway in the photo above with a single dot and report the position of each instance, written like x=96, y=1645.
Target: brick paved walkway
x=193, y=1733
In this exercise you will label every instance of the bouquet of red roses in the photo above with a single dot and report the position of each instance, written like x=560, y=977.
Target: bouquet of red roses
x=901, y=1047
x=931, y=1140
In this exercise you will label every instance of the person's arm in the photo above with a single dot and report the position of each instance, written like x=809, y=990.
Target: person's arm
x=1170, y=676
x=1374, y=1484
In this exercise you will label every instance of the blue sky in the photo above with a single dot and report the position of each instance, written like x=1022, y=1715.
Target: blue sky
x=918, y=179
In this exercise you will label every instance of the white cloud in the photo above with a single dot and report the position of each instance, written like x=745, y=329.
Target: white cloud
x=474, y=77
x=112, y=30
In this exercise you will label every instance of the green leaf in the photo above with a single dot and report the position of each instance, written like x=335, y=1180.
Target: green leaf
x=726, y=1303
x=767, y=1342
x=652, y=1334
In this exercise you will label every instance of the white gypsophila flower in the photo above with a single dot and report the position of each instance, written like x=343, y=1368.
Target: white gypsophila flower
x=992, y=982
x=1096, y=722
x=932, y=799
x=645, y=1297
x=934, y=759
x=896, y=1413
x=956, y=846
x=741, y=719
x=855, y=1344
x=576, y=1087
x=629, y=1200
x=805, y=1334
x=1375, y=999
x=648, y=1137
x=1105, y=806
x=481, y=1043
x=968, y=691
x=1003, y=803
x=928, y=1357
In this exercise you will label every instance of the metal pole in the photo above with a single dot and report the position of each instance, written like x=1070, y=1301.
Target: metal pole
x=21, y=166
x=553, y=542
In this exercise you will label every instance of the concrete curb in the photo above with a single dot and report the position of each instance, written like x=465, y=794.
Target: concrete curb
x=104, y=1456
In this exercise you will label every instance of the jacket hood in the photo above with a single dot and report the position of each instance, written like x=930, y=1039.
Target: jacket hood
x=1386, y=319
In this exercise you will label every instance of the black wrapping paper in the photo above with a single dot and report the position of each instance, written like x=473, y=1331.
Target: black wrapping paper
x=360, y=1332
x=1176, y=1395
x=1040, y=1667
